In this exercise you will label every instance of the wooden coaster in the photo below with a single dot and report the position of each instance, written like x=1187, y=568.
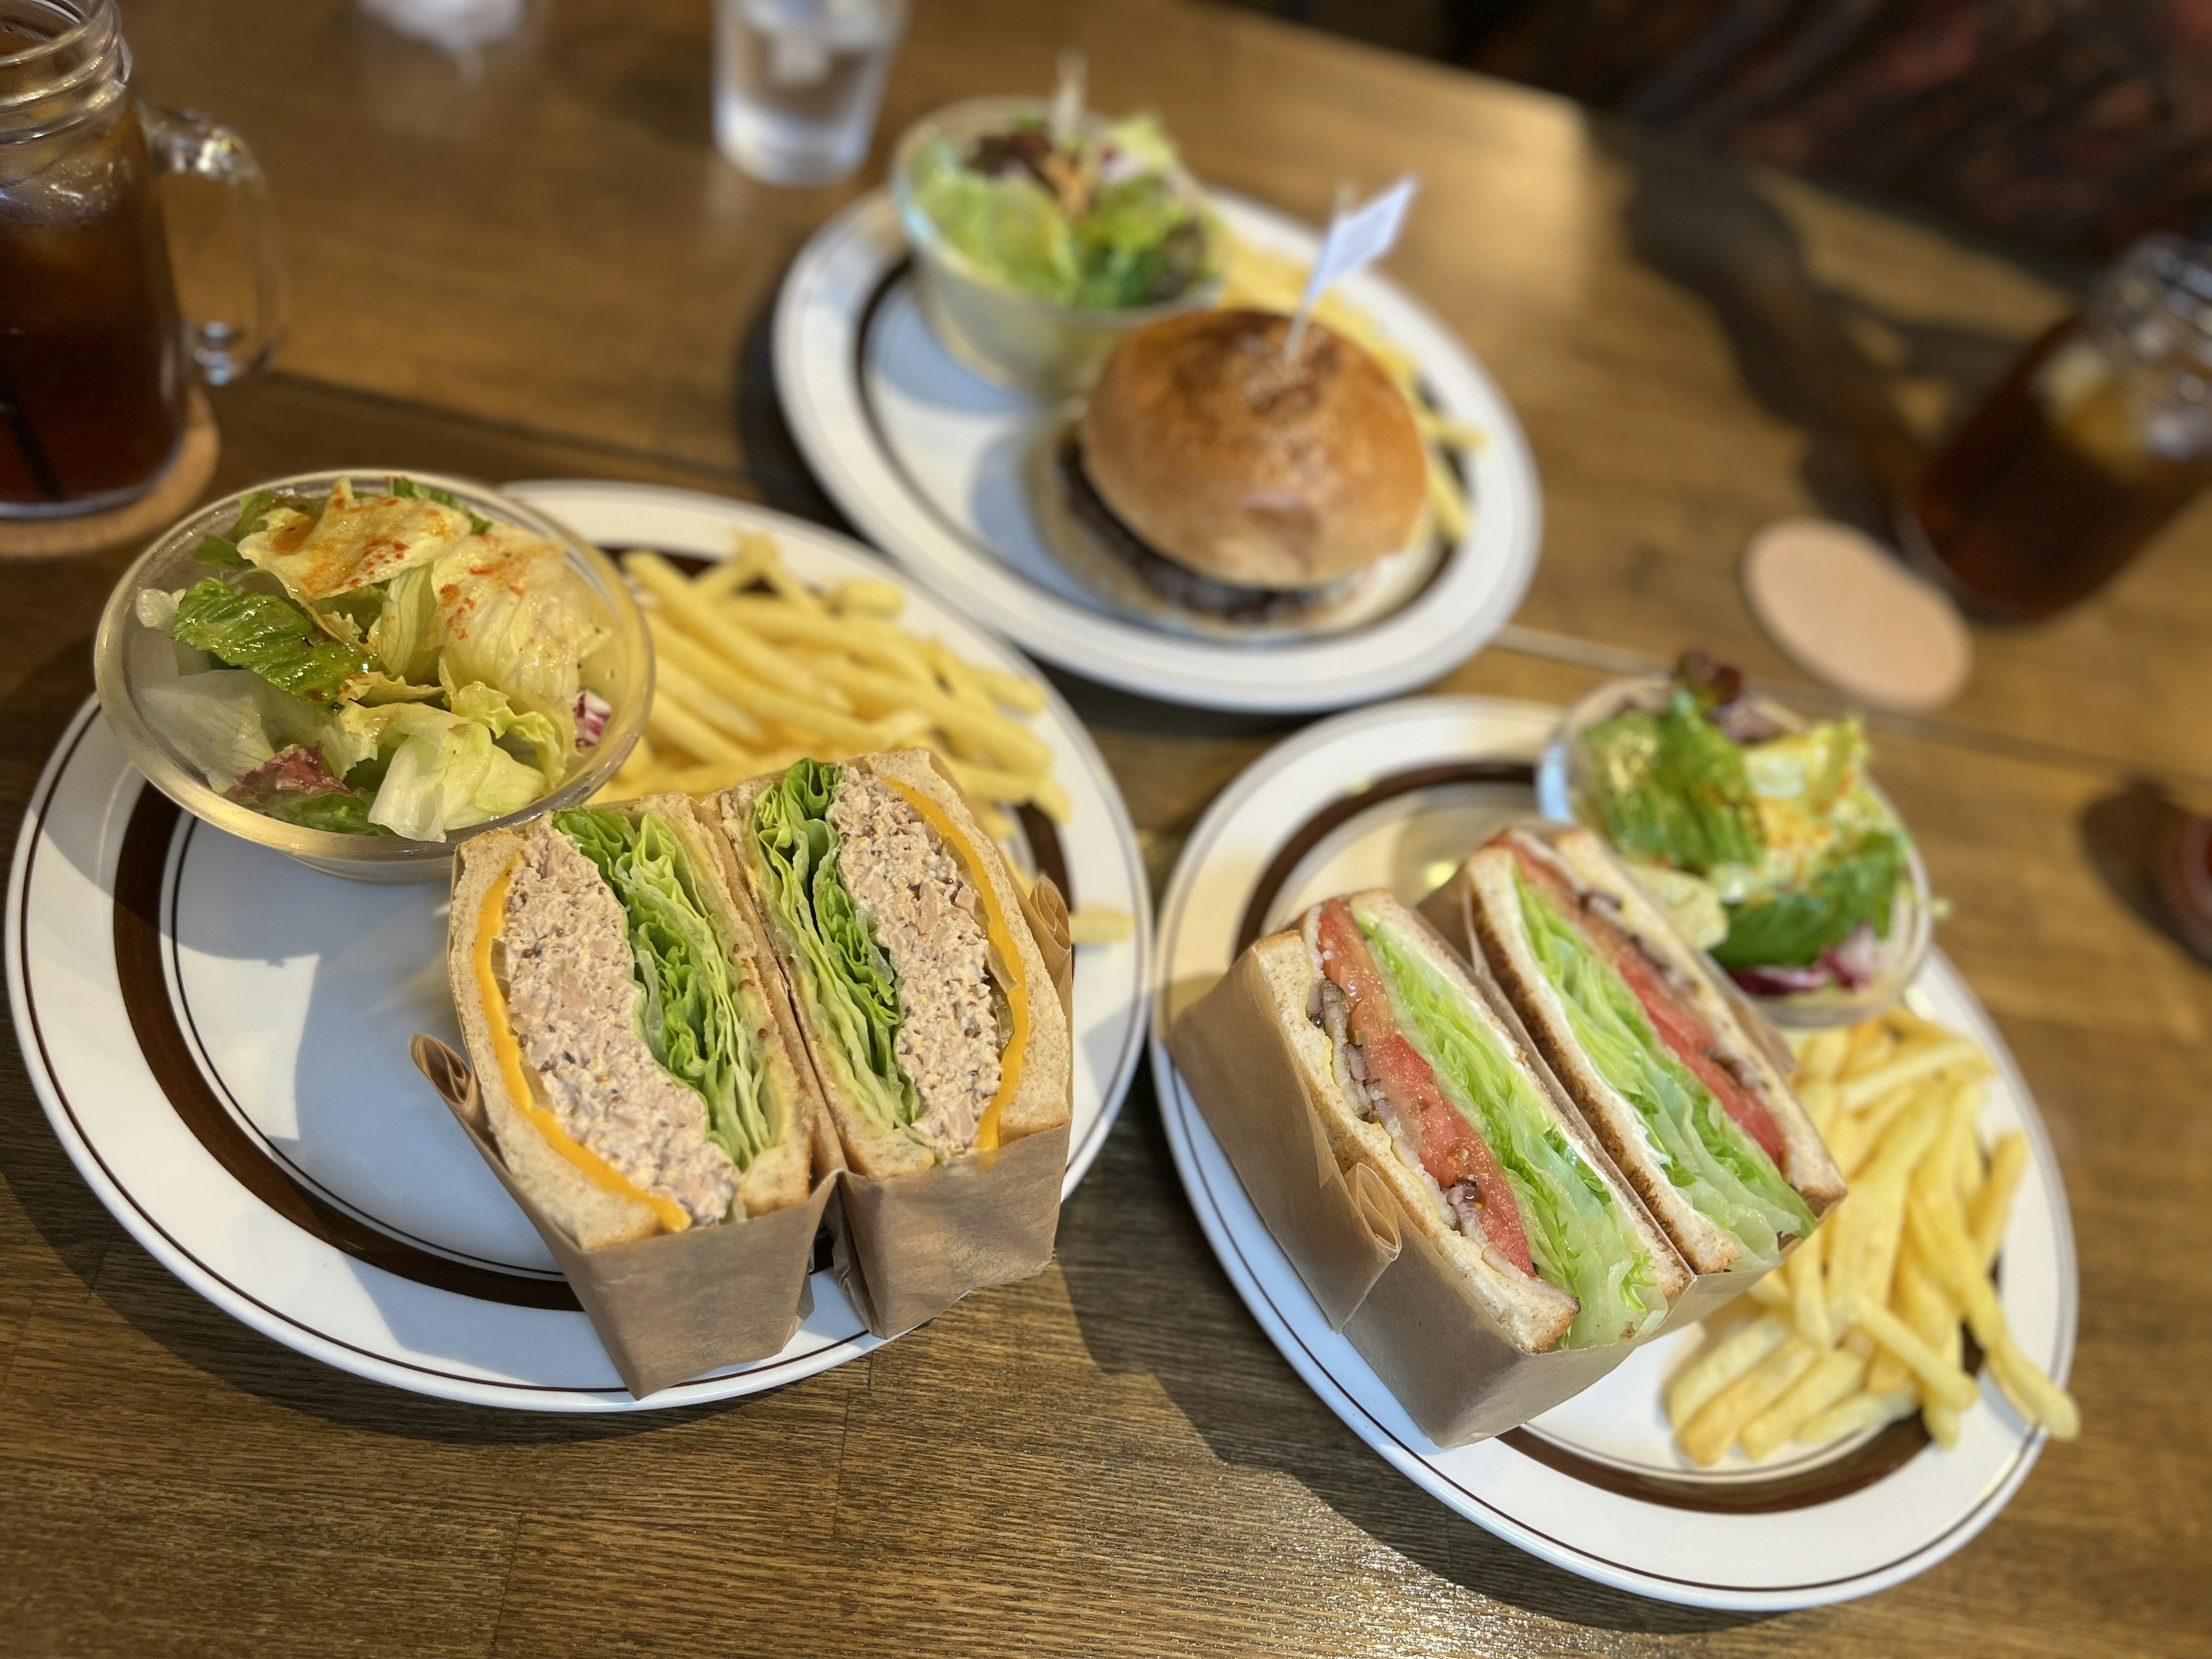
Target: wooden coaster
x=1850, y=614
x=171, y=497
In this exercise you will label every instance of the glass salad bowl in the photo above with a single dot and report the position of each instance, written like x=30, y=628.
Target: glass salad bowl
x=186, y=726
x=1004, y=332
x=1861, y=981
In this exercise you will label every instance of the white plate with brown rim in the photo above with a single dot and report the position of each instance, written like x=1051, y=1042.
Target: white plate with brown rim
x=942, y=470
x=218, y=1036
x=1395, y=797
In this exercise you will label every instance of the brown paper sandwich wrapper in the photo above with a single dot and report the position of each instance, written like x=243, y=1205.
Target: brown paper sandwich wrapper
x=1449, y=910
x=907, y=1248
x=1376, y=1276
x=677, y=1305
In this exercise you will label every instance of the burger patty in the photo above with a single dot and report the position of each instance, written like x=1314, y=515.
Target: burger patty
x=914, y=891
x=1175, y=583
x=572, y=997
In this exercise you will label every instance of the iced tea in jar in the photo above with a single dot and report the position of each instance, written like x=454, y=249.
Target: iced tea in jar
x=2097, y=437
x=95, y=360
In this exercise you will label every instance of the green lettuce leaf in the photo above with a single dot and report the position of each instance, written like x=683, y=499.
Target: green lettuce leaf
x=403, y=637
x=1672, y=788
x=213, y=720
x=1725, y=1175
x=690, y=1006
x=442, y=772
x=348, y=814
x=1796, y=927
x=268, y=634
x=1578, y=1236
x=405, y=488
x=512, y=616
x=845, y=980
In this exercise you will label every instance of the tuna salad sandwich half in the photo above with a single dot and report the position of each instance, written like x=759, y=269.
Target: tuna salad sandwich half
x=1640, y=1032
x=933, y=1023
x=1414, y=1073
x=631, y=1036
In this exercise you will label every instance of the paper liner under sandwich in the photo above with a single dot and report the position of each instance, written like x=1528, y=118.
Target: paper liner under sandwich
x=1375, y=1277
x=1449, y=910
x=908, y=1247
x=675, y=1305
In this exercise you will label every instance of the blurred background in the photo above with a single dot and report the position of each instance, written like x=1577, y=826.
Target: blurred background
x=2073, y=124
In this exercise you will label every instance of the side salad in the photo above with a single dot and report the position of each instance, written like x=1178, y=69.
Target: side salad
x=1766, y=844
x=390, y=664
x=1094, y=216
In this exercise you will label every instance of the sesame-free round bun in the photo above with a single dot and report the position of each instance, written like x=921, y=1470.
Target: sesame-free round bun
x=1248, y=470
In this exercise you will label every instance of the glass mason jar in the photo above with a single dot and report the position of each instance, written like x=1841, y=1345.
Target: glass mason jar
x=2097, y=437
x=94, y=357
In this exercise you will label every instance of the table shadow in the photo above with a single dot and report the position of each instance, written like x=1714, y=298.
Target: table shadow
x=1796, y=341
x=1127, y=1237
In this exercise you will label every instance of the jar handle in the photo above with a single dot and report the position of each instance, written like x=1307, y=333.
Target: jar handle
x=187, y=143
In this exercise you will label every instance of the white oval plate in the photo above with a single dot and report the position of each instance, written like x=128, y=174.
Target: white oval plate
x=932, y=463
x=219, y=1036
x=1395, y=797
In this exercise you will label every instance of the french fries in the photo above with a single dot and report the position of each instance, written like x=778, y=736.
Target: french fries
x=1865, y=1322
x=756, y=669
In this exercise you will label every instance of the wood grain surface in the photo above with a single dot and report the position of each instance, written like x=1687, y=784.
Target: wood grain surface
x=549, y=274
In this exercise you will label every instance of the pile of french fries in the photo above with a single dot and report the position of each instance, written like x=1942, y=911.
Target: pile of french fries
x=754, y=669
x=1863, y=1324
x=1256, y=279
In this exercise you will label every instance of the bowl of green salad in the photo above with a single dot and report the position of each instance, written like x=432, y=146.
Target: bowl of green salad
x=1759, y=831
x=1036, y=249
x=363, y=668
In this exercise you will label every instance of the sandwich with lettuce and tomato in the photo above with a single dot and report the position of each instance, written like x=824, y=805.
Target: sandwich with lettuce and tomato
x=385, y=664
x=935, y=1028
x=631, y=1037
x=1413, y=1072
x=1640, y=1033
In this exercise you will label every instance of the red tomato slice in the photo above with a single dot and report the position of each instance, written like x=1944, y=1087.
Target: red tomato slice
x=1682, y=1028
x=1451, y=1150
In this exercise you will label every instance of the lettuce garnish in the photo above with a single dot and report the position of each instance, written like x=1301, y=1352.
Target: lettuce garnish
x=1779, y=826
x=1578, y=1236
x=690, y=1008
x=846, y=980
x=1724, y=1174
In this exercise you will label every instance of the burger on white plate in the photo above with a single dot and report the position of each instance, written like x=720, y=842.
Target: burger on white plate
x=1215, y=486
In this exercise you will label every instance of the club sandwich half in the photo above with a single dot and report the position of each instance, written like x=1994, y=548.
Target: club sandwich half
x=1415, y=1074
x=1637, y=1028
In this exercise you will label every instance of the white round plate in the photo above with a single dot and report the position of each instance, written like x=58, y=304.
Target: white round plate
x=1395, y=797
x=219, y=1036
x=933, y=464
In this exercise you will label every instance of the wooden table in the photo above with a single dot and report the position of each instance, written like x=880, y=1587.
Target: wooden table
x=548, y=273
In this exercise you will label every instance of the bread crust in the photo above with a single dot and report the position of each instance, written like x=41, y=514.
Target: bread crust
x=1246, y=468
x=1531, y=1313
x=1041, y=1100
x=587, y=1212
x=1493, y=904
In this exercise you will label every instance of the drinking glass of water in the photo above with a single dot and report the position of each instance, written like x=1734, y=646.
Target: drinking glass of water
x=798, y=83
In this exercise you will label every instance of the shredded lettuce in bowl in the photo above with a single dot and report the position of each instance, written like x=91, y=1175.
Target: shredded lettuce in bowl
x=393, y=664
x=1100, y=218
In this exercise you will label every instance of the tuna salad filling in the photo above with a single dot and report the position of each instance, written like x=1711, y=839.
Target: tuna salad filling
x=874, y=907
x=572, y=999
x=927, y=922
